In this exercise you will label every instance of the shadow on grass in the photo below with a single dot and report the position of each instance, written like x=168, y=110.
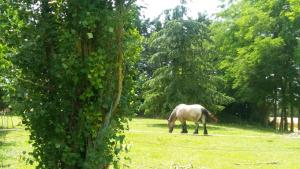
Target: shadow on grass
x=257, y=128
x=3, y=143
x=178, y=126
x=4, y=146
x=220, y=127
x=5, y=165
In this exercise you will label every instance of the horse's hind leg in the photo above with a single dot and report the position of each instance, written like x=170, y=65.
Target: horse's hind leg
x=196, y=129
x=184, y=128
x=204, y=129
x=204, y=125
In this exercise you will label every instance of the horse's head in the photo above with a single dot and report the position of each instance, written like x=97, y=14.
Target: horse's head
x=171, y=125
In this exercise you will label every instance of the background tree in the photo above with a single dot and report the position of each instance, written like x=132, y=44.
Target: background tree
x=7, y=71
x=181, y=60
x=3, y=73
x=259, y=63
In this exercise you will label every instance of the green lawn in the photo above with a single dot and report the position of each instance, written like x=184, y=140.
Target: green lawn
x=226, y=147
x=13, y=144
x=151, y=146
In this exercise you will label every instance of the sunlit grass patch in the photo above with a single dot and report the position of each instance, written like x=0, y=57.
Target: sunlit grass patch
x=9, y=122
x=14, y=145
x=227, y=146
x=152, y=147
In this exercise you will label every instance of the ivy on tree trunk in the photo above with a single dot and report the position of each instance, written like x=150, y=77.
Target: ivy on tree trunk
x=73, y=87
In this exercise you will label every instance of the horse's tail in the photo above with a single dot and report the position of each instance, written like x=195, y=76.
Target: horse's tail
x=212, y=116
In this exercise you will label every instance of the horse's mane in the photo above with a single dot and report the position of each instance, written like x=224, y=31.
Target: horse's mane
x=173, y=115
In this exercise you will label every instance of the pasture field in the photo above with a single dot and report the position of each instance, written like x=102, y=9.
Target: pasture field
x=152, y=147
x=13, y=144
x=226, y=147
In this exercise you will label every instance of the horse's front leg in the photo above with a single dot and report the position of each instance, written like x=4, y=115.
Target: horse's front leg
x=196, y=129
x=184, y=128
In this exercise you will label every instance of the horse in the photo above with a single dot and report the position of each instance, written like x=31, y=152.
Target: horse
x=194, y=112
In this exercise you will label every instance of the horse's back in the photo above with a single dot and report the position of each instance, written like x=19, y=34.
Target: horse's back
x=194, y=107
x=189, y=112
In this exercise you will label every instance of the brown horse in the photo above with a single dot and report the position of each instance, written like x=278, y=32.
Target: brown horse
x=195, y=113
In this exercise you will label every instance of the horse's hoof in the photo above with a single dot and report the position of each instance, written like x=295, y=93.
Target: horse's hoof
x=205, y=132
x=195, y=132
x=184, y=132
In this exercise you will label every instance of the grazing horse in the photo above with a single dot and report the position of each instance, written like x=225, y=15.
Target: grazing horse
x=195, y=113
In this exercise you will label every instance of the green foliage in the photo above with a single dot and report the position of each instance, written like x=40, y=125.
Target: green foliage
x=7, y=72
x=258, y=47
x=180, y=57
x=72, y=57
x=294, y=12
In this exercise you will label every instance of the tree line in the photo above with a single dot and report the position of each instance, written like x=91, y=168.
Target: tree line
x=244, y=64
x=260, y=49
x=76, y=71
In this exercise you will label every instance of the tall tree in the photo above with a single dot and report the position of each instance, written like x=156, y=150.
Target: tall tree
x=76, y=60
x=258, y=44
x=294, y=16
x=181, y=58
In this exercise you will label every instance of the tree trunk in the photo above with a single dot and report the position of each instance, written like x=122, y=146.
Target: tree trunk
x=299, y=120
x=275, y=111
x=264, y=112
x=281, y=121
x=292, y=118
x=285, y=119
x=101, y=133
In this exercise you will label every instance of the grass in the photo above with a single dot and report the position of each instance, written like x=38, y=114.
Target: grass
x=13, y=144
x=227, y=147
x=152, y=147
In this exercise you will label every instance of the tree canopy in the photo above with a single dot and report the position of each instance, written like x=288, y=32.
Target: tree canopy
x=259, y=47
x=181, y=58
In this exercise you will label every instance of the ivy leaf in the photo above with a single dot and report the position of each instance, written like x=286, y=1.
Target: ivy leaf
x=110, y=29
x=65, y=65
x=90, y=35
x=57, y=145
